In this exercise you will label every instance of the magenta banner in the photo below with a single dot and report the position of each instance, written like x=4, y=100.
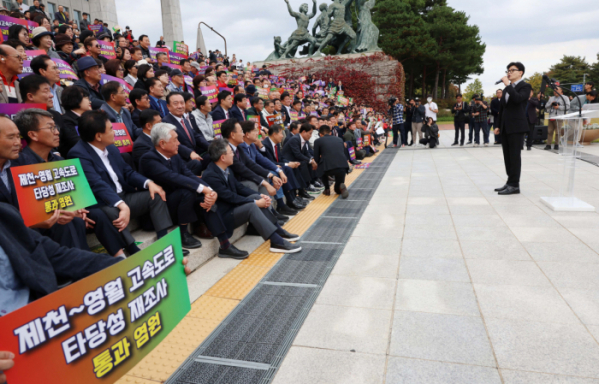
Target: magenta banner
x=6, y=22
x=106, y=78
x=154, y=51
x=175, y=58
x=107, y=49
x=66, y=71
x=188, y=81
x=11, y=110
x=173, y=66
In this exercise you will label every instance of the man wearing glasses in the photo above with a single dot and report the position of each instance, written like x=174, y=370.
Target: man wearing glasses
x=11, y=65
x=44, y=66
x=512, y=125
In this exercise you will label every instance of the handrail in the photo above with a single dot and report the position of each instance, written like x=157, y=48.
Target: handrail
x=213, y=30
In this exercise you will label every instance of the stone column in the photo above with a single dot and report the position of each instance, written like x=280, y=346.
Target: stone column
x=172, y=23
x=200, y=42
x=104, y=10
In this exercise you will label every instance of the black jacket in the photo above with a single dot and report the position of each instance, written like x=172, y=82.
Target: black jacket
x=293, y=150
x=170, y=175
x=197, y=143
x=269, y=152
x=141, y=146
x=460, y=115
x=329, y=154
x=531, y=111
x=38, y=261
x=245, y=169
x=68, y=132
x=512, y=113
x=231, y=193
x=135, y=118
x=95, y=97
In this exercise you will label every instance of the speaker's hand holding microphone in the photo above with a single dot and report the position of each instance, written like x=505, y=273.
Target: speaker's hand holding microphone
x=504, y=80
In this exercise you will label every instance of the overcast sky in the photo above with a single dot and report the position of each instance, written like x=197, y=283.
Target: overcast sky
x=537, y=33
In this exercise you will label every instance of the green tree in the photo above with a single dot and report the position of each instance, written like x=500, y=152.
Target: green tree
x=535, y=81
x=594, y=73
x=474, y=88
x=569, y=70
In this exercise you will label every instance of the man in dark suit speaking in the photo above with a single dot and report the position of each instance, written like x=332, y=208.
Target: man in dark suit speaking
x=329, y=154
x=512, y=125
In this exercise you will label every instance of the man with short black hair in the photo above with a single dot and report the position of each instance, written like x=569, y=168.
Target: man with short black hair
x=225, y=102
x=156, y=93
x=144, y=44
x=121, y=192
x=44, y=66
x=256, y=110
x=459, y=110
x=36, y=90
x=143, y=144
x=161, y=60
x=297, y=148
x=329, y=154
x=93, y=49
x=84, y=23
x=140, y=100
x=513, y=125
x=89, y=79
x=238, y=110
x=116, y=100
x=239, y=204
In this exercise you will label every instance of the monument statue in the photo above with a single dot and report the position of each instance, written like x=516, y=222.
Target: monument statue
x=336, y=29
x=301, y=35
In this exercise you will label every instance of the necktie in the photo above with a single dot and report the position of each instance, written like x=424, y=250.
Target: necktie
x=186, y=130
x=277, y=152
x=237, y=154
x=243, y=114
x=227, y=114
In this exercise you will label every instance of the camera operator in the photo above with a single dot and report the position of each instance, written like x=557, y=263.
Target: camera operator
x=460, y=113
x=556, y=105
x=495, y=104
x=396, y=112
x=417, y=121
x=479, y=112
x=409, y=112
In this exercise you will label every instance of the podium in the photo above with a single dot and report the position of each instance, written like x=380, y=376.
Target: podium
x=572, y=126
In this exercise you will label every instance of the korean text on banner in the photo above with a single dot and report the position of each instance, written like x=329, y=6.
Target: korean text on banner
x=95, y=27
x=367, y=140
x=66, y=71
x=352, y=153
x=189, y=81
x=34, y=53
x=126, y=87
x=343, y=100
x=154, y=51
x=271, y=120
x=175, y=58
x=254, y=118
x=294, y=115
x=6, y=22
x=122, y=139
x=45, y=187
x=359, y=143
x=216, y=126
x=263, y=93
x=11, y=110
x=181, y=48
x=210, y=92
x=107, y=49
x=97, y=329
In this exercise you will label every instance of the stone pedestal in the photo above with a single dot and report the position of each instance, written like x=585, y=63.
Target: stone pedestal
x=172, y=23
x=104, y=10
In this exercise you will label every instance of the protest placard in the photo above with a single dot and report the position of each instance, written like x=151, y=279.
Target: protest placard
x=254, y=118
x=352, y=153
x=175, y=58
x=34, y=53
x=45, y=187
x=66, y=71
x=294, y=115
x=95, y=28
x=189, y=81
x=122, y=139
x=31, y=25
x=210, y=92
x=359, y=143
x=343, y=100
x=11, y=110
x=154, y=51
x=263, y=93
x=107, y=49
x=367, y=140
x=362, y=166
x=271, y=120
x=220, y=89
x=6, y=22
x=126, y=87
x=202, y=70
x=99, y=328
x=173, y=66
x=181, y=48
x=216, y=126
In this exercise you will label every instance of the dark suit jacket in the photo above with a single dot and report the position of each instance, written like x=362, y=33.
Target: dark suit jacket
x=286, y=116
x=135, y=118
x=512, y=113
x=531, y=111
x=95, y=97
x=235, y=112
x=288, y=135
x=293, y=150
x=231, y=193
x=6, y=196
x=39, y=261
x=97, y=175
x=68, y=132
x=218, y=113
x=141, y=146
x=134, y=131
x=245, y=169
x=253, y=111
x=329, y=154
x=269, y=152
x=172, y=175
x=62, y=18
x=155, y=105
x=198, y=143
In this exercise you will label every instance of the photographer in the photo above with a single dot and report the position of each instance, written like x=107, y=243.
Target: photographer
x=556, y=105
x=417, y=120
x=430, y=131
x=495, y=103
x=460, y=113
x=396, y=111
x=408, y=120
x=479, y=112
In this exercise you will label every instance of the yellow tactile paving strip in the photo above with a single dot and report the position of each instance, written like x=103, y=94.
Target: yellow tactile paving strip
x=212, y=308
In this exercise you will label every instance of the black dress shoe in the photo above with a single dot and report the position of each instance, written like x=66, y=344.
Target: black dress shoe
x=189, y=242
x=285, y=210
x=286, y=247
x=344, y=192
x=305, y=195
x=232, y=253
x=318, y=184
x=185, y=252
x=556, y=147
x=468, y=143
x=501, y=189
x=281, y=217
x=510, y=191
x=529, y=148
x=296, y=205
x=280, y=222
x=288, y=236
x=547, y=147
x=454, y=144
x=353, y=162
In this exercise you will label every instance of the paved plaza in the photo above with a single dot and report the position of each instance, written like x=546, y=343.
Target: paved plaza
x=444, y=281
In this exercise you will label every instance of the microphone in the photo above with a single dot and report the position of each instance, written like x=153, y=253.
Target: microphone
x=499, y=82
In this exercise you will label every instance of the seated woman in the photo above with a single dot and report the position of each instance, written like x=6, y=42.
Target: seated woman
x=431, y=133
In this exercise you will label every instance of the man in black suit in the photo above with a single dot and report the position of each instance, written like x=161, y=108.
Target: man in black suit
x=531, y=118
x=141, y=101
x=293, y=129
x=188, y=197
x=120, y=191
x=329, y=154
x=286, y=100
x=237, y=111
x=274, y=152
x=225, y=102
x=239, y=204
x=256, y=110
x=296, y=149
x=147, y=118
x=192, y=142
x=513, y=125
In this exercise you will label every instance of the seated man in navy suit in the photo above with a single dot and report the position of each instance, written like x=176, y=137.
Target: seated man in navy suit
x=140, y=99
x=222, y=110
x=156, y=89
x=237, y=111
x=250, y=138
x=296, y=149
x=191, y=142
x=148, y=118
x=120, y=191
x=116, y=100
x=42, y=136
x=272, y=150
x=188, y=196
x=239, y=204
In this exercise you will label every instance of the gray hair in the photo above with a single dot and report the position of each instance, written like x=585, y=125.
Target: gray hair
x=217, y=148
x=28, y=120
x=161, y=131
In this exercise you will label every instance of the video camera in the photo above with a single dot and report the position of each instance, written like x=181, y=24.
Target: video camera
x=391, y=101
